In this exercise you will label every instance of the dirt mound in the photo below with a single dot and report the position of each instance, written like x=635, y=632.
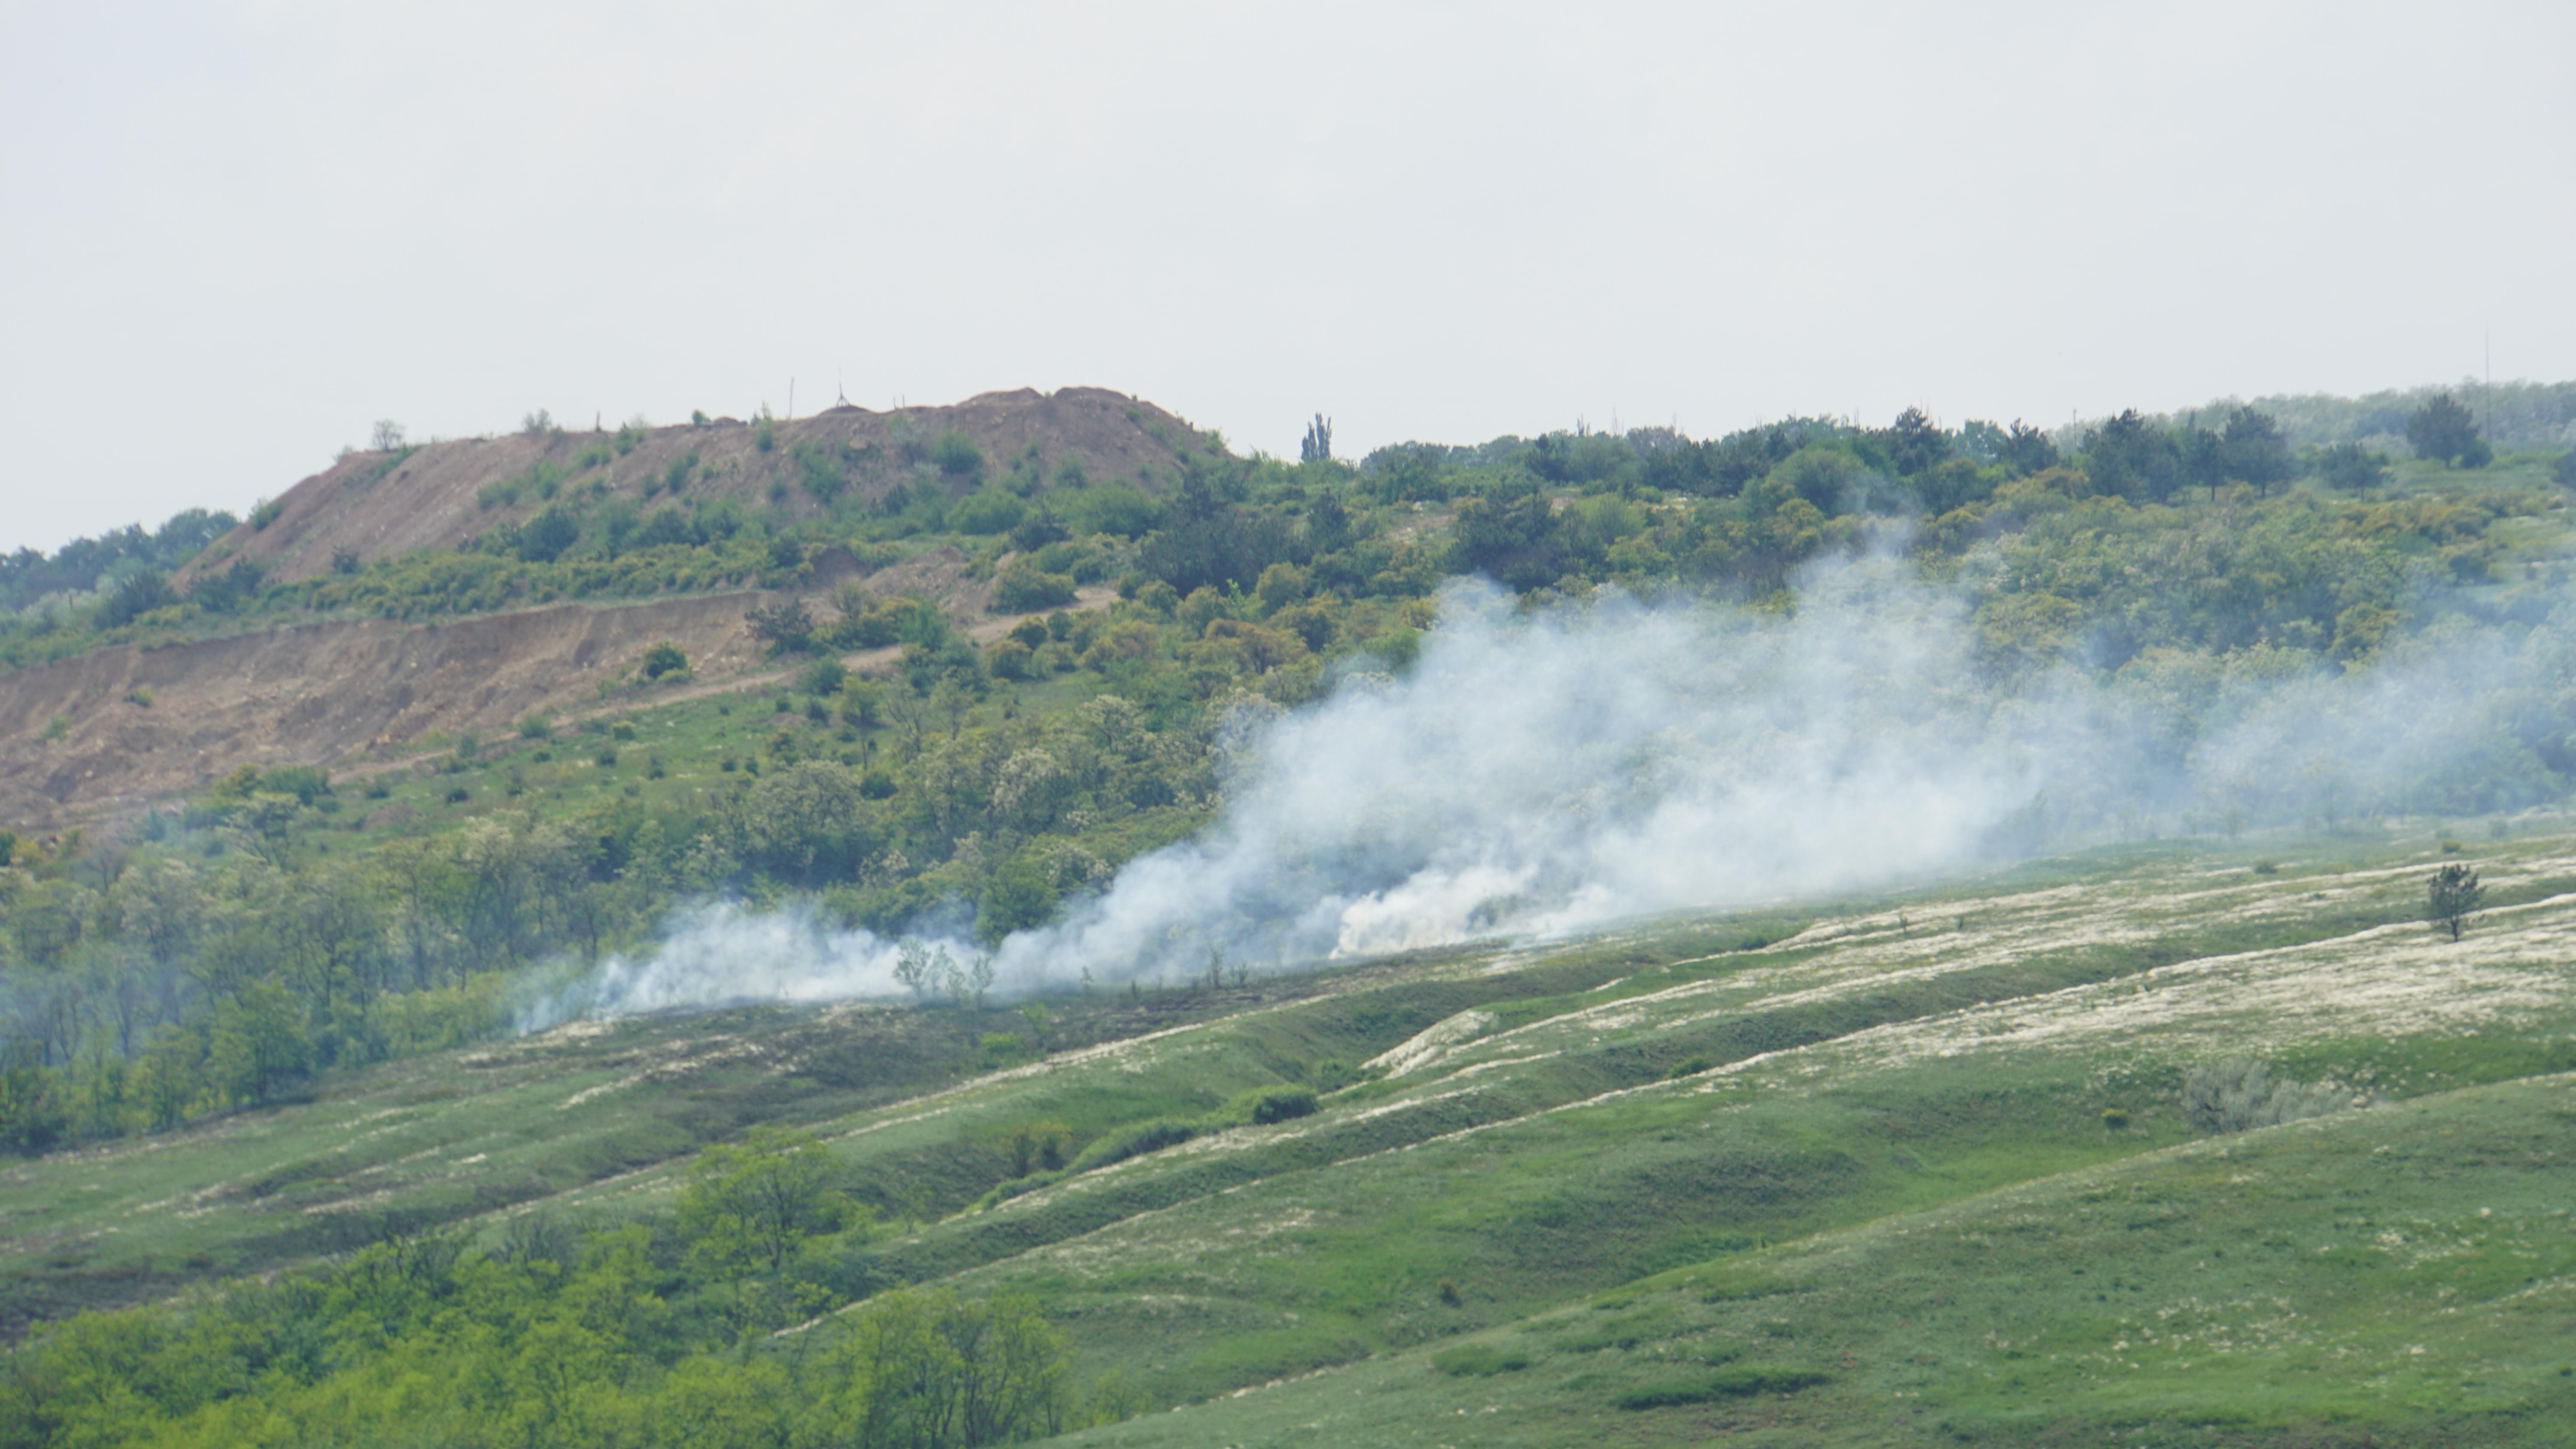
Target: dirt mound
x=438, y=496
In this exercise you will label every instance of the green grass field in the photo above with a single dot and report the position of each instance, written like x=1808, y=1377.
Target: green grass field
x=1910, y=1168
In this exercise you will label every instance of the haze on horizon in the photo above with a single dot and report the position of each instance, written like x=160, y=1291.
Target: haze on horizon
x=235, y=234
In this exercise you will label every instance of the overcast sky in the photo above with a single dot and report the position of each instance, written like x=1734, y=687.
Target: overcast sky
x=234, y=235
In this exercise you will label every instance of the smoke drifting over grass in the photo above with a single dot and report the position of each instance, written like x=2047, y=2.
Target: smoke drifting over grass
x=1541, y=774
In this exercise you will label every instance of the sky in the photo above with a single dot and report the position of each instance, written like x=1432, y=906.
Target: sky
x=234, y=235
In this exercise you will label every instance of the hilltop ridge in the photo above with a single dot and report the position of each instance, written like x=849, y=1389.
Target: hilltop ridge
x=381, y=502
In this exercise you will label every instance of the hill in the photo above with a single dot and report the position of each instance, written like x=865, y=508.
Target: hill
x=439, y=495
x=913, y=940
x=1872, y=1176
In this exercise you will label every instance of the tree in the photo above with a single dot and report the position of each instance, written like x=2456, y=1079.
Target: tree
x=2133, y=458
x=1509, y=535
x=1915, y=442
x=259, y=1043
x=749, y=1205
x=387, y=438
x=1317, y=445
x=2452, y=896
x=2204, y=458
x=2351, y=467
x=2027, y=450
x=135, y=596
x=2255, y=451
x=785, y=626
x=805, y=825
x=2444, y=430
x=544, y=538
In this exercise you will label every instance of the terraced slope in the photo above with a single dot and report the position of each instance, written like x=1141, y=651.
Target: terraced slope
x=2405, y=1275
x=1698, y=1099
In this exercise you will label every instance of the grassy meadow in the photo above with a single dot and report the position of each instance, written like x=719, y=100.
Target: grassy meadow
x=1898, y=1169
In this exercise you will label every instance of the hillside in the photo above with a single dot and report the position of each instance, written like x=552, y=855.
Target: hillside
x=865, y=938
x=98, y=737
x=1644, y=1183
x=373, y=504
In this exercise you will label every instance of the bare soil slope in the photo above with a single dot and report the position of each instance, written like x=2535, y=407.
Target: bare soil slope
x=316, y=694
x=372, y=504
x=344, y=693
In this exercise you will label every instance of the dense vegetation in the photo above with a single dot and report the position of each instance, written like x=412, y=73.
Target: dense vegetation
x=556, y=1335
x=289, y=928
x=287, y=925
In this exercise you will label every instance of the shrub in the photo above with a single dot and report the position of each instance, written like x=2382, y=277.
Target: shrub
x=1037, y=1147
x=822, y=677
x=2237, y=1095
x=265, y=512
x=547, y=537
x=2115, y=1120
x=344, y=561
x=1009, y=659
x=1037, y=530
x=622, y=731
x=1264, y=1106
x=1739, y=1383
x=956, y=455
x=990, y=511
x=606, y=759
x=134, y=597
x=2351, y=467
x=663, y=660
x=874, y=785
x=535, y=727
x=1023, y=589
x=1135, y=1141
x=539, y=424
x=1479, y=1360
x=784, y=626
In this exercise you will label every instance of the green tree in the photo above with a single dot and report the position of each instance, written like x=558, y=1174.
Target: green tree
x=259, y=1044
x=2452, y=896
x=927, y=1370
x=786, y=626
x=2351, y=467
x=1317, y=445
x=807, y=824
x=2133, y=459
x=747, y=1206
x=2442, y=429
x=2255, y=451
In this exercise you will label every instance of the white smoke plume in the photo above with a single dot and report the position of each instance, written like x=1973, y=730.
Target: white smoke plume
x=1539, y=774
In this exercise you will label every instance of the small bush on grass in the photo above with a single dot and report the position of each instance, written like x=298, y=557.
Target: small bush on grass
x=1135, y=1141
x=1479, y=1360
x=1264, y=1106
x=1734, y=1383
x=2238, y=1095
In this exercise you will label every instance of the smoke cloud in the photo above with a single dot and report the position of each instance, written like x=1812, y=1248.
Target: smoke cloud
x=1543, y=773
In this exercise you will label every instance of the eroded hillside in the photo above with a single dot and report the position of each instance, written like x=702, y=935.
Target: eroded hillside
x=371, y=504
